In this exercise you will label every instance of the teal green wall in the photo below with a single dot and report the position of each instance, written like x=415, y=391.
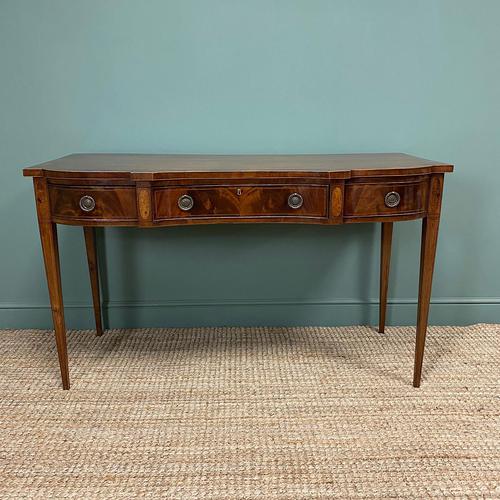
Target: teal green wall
x=260, y=76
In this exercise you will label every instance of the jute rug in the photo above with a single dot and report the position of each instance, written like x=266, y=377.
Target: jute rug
x=268, y=413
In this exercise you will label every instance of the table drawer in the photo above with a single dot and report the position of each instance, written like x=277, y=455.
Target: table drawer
x=241, y=201
x=93, y=203
x=372, y=199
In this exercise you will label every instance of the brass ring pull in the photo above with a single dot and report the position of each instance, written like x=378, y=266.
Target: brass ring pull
x=87, y=203
x=392, y=199
x=295, y=201
x=185, y=202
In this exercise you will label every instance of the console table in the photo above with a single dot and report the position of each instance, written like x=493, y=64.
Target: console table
x=92, y=190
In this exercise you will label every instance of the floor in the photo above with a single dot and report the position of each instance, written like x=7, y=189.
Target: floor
x=247, y=413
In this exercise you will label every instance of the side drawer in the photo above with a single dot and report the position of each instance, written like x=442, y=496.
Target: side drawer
x=241, y=201
x=113, y=204
x=375, y=198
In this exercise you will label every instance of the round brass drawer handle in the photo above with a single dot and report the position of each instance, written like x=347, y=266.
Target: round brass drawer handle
x=392, y=199
x=295, y=201
x=185, y=202
x=87, y=203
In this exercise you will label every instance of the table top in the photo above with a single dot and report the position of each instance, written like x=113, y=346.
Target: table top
x=125, y=165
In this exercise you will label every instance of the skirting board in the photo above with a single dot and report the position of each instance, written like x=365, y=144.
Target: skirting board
x=131, y=314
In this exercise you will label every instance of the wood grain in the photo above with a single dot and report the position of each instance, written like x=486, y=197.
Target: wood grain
x=430, y=228
x=385, y=263
x=90, y=245
x=243, y=200
x=151, y=167
x=367, y=199
x=111, y=203
x=337, y=201
x=50, y=249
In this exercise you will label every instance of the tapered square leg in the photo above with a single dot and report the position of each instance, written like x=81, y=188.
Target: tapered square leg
x=48, y=238
x=90, y=245
x=385, y=263
x=430, y=228
x=427, y=256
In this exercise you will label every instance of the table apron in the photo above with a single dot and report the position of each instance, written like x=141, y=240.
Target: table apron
x=222, y=201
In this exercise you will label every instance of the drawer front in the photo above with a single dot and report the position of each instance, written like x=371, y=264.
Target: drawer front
x=93, y=203
x=241, y=201
x=372, y=199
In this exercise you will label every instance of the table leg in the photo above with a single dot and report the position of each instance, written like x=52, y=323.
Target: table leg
x=385, y=262
x=90, y=245
x=48, y=236
x=430, y=228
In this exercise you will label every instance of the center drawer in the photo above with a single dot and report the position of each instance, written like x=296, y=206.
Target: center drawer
x=241, y=201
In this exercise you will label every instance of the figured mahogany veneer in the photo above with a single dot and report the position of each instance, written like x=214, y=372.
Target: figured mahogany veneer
x=241, y=200
x=367, y=198
x=112, y=204
x=161, y=190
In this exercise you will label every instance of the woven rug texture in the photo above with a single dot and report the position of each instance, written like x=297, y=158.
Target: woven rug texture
x=251, y=413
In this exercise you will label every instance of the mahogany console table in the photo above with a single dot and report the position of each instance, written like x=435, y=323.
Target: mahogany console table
x=93, y=190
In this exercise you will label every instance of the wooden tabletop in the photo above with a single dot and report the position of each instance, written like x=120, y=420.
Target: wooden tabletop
x=125, y=165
